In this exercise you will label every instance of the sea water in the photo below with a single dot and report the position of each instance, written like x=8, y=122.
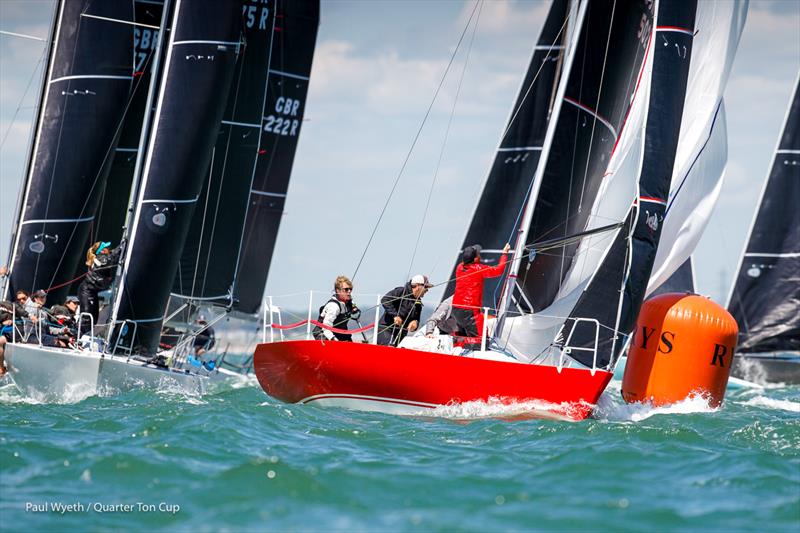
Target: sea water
x=237, y=460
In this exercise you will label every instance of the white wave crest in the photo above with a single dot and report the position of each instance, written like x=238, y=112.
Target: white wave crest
x=496, y=408
x=771, y=403
x=612, y=408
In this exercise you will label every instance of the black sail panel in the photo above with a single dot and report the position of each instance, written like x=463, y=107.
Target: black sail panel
x=210, y=254
x=682, y=280
x=290, y=66
x=766, y=295
x=600, y=86
x=200, y=60
x=110, y=219
x=87, y=88
x=629, y=262
x=509, y=181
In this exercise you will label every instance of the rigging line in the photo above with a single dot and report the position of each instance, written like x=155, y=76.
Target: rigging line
x=535, y=77
x=203, y=224
x=24, y=94
x=24, y=36
x=597, y=102
x=414, y=142
x=109, y=150
x=444, y=142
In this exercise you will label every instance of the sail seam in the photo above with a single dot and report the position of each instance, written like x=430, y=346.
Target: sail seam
x=788, y=254
x=265, y=193
x=243, y=124
x=521, y=149
x=167, y=200
x=201, y=41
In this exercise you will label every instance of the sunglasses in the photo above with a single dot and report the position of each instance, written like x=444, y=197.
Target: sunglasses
x=346, y=289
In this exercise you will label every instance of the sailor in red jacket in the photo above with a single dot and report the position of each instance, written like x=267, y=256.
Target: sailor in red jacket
x=468, y=295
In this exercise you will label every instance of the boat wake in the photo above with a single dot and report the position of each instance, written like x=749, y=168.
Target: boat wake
x=611, y=407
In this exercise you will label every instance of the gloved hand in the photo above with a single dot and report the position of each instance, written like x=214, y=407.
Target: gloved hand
x=355, y=314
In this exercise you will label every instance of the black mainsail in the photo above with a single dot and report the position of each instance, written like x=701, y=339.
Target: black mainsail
x=509, y=181
x=295, y=31
x=193, y=88
x=84, y=99
x=765, y=297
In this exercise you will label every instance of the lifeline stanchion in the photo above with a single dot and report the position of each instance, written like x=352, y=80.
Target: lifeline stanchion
x=271, y=329
x=483, y=328
x=377, y=317
x=264, y=323
x=310, y=303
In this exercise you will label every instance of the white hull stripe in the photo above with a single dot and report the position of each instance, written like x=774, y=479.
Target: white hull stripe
x=521, y=149
x=288, y=74
x=58, y=220
x=674, y=29
x=369, y=398
x=243, y=124
x=228, y=43
x=773, y=255
x=91, y=77
x=787, y=151
x=127, y=149
x=165, y=201
x=264, y=193
x=600, y=119
x=547, y=47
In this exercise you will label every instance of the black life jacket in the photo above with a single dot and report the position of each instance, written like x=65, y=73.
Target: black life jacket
x=340, y=322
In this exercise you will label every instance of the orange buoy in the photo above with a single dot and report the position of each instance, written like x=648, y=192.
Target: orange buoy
x=683, y=344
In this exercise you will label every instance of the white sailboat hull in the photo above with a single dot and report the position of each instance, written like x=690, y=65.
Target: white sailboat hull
x=58, y=374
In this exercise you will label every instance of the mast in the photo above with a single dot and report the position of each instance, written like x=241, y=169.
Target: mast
x=200, y=59
x=765, y=295
x=85, y=97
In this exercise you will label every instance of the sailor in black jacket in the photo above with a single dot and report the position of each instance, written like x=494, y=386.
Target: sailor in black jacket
x=402, y=308
x=102, y=262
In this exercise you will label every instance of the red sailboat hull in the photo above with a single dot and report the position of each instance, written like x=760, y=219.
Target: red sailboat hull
x=404, y=381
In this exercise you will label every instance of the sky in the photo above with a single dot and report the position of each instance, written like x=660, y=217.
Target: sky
x=376, y=67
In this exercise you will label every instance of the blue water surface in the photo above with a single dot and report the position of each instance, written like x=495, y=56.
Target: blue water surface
x=236, y=460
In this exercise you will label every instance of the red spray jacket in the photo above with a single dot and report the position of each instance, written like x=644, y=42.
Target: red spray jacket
x=469, y=282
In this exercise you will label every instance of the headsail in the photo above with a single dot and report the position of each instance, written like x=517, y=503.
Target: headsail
x=203, y=45
x=703, y=146
x=509, y=181
x=765, y=297
x=289, y=69
x=83, y=102
x=278, y=39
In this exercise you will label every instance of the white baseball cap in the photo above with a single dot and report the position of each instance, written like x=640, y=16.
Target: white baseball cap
x=419, y=279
